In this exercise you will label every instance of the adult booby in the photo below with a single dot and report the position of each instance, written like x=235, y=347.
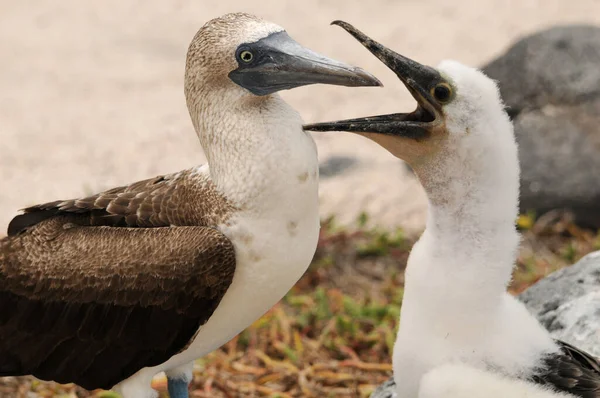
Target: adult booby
x=108, y=290
x=460, y=143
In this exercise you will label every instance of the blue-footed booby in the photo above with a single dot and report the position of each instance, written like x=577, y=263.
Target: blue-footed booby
x=109, y=290
x=461, y=145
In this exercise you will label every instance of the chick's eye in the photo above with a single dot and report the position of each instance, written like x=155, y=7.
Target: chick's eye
x=246, y=56
x=442, y=92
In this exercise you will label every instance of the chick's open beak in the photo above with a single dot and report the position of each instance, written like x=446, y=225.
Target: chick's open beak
x=418, y=79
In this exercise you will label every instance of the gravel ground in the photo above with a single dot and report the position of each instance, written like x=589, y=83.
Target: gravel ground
x=91, y=93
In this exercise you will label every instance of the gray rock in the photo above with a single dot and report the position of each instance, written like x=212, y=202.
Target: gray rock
x=550, y=82
x=386, y=390
x=567, y=302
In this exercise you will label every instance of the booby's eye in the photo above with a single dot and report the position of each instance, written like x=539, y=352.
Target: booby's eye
x=246, y=56
x=442, y=93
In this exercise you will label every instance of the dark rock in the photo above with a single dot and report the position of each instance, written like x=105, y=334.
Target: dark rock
x=550, y=82
x=336, y=165
x=567, y=302
x=560, y=161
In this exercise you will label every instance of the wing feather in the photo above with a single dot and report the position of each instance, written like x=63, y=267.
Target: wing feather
x=185, y=198
x=71, y=305
x=572, y=371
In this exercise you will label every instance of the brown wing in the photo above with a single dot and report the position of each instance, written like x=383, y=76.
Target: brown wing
x=184, y=198
x=74, y=309
x=572, y=371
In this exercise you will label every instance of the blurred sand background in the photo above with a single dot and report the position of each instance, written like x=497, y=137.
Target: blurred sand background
x=91, y=92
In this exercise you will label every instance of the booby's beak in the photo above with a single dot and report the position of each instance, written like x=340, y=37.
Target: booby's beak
x=425, y=85
x=278, y=62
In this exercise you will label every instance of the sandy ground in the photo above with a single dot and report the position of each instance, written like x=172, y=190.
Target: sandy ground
x=91, y=92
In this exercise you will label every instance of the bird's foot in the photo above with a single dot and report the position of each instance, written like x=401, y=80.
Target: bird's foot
x=178, y=388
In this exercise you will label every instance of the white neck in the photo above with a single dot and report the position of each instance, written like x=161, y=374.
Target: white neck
x=465, y=257
x=253, y=145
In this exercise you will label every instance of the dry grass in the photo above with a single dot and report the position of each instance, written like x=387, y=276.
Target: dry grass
x=332, y=335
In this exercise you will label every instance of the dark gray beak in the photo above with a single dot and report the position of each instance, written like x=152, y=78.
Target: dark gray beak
x=277, y=62
x=418, y=79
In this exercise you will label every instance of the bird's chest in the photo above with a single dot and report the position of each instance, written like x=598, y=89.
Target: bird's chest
x=276, y=235
x=505, y=338
x=275, y=244
x=275, y=230
x=273, y=252
x=415, y=356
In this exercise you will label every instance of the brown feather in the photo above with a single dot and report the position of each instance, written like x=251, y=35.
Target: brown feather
x=70, y=304
x=185, y=198
x=89, y=294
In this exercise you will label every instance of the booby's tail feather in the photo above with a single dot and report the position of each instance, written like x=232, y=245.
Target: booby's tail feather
x=26, y=220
